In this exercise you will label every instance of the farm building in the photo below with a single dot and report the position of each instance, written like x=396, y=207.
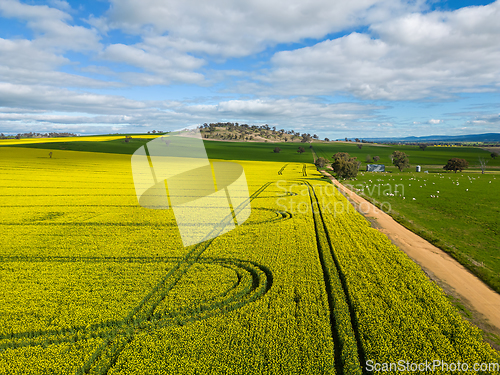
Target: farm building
x=375, y=168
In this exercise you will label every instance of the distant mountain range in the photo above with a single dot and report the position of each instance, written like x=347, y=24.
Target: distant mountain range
x=487, y=137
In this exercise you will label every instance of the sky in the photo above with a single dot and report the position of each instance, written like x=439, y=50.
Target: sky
x=344, y=68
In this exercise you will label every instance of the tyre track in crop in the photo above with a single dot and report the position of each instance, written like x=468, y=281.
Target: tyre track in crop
x=117, y=334
x=318, y=149
x=260, y=282
x=349, y=353
x=143, y=315
x=280, y=215
x=280, y=172
x=315, y=156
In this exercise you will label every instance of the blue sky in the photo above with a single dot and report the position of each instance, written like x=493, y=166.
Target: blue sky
x=357, y=68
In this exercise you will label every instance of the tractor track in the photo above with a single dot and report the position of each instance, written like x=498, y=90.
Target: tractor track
x=117, y=334
x=333, y=276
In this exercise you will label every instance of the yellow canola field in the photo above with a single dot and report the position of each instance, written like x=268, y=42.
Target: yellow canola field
x=96, y=284
x=95, y=138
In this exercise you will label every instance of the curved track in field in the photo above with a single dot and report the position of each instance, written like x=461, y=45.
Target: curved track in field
x=253, y=281
x=143, y=316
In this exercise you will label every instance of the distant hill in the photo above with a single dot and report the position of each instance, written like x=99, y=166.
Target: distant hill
x=487, y=137
x=264, y=133
x=228, y=131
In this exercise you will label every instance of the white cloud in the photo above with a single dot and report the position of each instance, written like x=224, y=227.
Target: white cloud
x=25, y=54
x=136, y=56
x=35, y=107
x=60, y=4
x=14, y=8
x=415, y=56
x=26, y=76
x=57, y=99
x=434, y=122
x=239, y=28
x=167, y=65
x=39, y=60
x=51, y=27
x=173, y=33
x=289, y=109
x=487, y=119
x=44, y=108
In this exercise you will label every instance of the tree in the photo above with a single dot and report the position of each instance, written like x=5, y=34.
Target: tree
x=360, y=145
x=422, y=146
x=482, y=164
x=345, y=166
x=320, y=162
x=306, y=138
x=456, y=164
x=400, y=160
x=277, y=150
x=300, y=150
x=376, y=158
x=340, y=155
x=368, y=159
x=494, y=155
x=327, y=140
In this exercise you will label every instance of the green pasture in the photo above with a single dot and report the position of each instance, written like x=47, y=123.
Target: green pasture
x=215, y=149
x=434, y=157
x=459, y=212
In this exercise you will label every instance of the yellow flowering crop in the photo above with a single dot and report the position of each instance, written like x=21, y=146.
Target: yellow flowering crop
x=92, y=283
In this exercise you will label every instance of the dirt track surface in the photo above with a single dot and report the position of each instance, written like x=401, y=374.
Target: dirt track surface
x=437, y=263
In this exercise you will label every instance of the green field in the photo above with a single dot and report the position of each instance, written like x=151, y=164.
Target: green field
x=465, y=223
x=433, y=158
x=96, y=284
x=108, y=144
x=458, y=212
x=255, y=151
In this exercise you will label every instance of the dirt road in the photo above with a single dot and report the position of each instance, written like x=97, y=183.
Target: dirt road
x=436, y=263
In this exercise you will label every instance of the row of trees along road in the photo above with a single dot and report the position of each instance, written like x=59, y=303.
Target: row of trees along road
x=347, y=167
